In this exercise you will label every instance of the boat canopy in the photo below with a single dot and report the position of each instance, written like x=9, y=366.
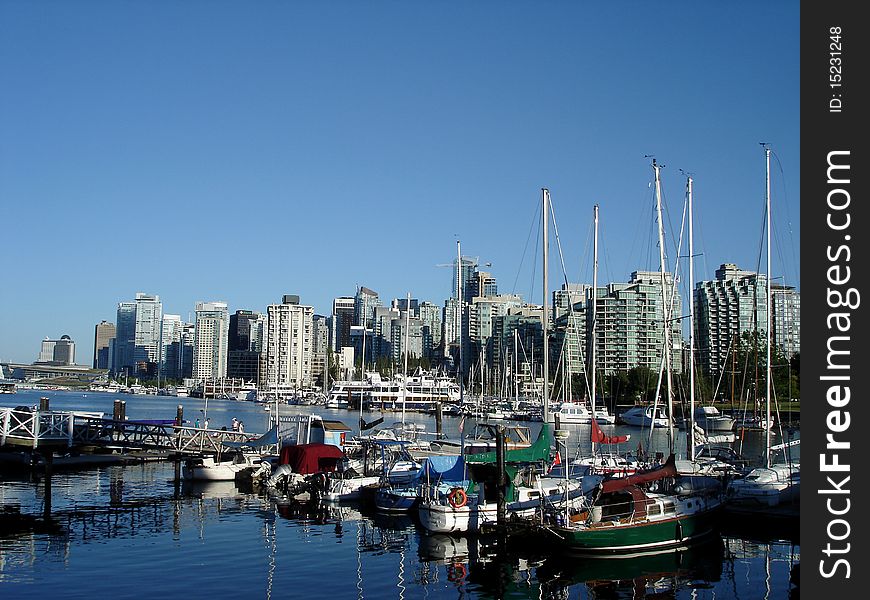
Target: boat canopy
x=270, y=438
x=306, y=459
x=538, y=451
x=444, y=469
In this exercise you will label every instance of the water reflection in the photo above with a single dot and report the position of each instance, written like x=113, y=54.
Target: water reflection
x=368, y=554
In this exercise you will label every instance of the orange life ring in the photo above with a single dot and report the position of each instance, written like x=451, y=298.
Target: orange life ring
x=457, y=498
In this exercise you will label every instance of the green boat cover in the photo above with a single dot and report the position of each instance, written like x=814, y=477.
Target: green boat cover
x=538, y=451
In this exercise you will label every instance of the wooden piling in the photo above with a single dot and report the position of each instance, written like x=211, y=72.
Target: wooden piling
x=43, y=404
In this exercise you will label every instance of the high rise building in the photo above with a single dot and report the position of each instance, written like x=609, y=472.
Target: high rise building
x=463, y=273
x=125, y=339
x=185, y=358
x=430, y=318
x=364, y=305
x=210, y=341
x=170, y=347
x=725, y=309
x=104, y=332
x=149, y=318
x=245, y=342
x=481, y=312
x=342, y=320
x=319, y=346
x=288, y=347
x=786, y=319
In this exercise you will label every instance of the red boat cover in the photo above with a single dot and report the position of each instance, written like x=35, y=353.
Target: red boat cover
x=599, y=437
x=306, y=459
x=668, y=469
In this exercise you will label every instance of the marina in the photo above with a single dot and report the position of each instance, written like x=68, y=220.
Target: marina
x=180, y=527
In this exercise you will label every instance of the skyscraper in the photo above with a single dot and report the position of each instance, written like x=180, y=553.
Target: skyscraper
x=342, y=320
x=170, y=347
x=149, y=318
x=210, y=341
x=364, y=305
x=104, y=332
x=245, y=341
x=58, y=352
x=125, y=339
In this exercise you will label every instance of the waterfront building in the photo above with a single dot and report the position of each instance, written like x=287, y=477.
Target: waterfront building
x=211, y=340
x=57, y=352
x=146, y=339
x=463, y=273
x=481, y=284
x=104, y=332
x=364, y=305
x=725, y=309
x=521, y=328
x=125, y=339
x=288, y=347
x=786, y=319
x=567, y=298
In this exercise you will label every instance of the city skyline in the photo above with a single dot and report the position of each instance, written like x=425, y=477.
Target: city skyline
x=311, y=150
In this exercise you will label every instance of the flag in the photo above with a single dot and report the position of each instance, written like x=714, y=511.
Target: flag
x=462, y=424
x=556, y=461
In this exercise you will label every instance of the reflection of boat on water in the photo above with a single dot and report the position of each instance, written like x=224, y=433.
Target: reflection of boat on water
x=701, y=561
x=208, y=490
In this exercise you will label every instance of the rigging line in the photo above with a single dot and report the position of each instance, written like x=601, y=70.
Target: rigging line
x=525, y=248
x=785, y=204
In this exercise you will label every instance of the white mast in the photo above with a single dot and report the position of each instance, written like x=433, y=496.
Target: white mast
x=665, y=304
x=594, y=312
x=405, y=378
x=459, y=329
x=768, y=318
x=545, y=198
x=691, y=421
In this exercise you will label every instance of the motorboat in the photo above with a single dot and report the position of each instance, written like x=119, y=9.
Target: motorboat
x=580, y=413
x=209, y=468
x=710, y=419
x=645, y=416
x=776, y=485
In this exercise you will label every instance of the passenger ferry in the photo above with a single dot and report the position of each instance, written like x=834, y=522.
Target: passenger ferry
x=424, y=391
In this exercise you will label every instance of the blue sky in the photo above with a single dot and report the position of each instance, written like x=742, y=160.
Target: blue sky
x=239, y=151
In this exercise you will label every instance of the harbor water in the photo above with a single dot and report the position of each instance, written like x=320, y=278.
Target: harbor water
x=132, y=531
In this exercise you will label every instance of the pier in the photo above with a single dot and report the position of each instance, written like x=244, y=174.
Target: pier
x=49, y=431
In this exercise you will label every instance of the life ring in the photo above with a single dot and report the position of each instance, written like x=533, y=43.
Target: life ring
x=456, y=572
x=457, y=498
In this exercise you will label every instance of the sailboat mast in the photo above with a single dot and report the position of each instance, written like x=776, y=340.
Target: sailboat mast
x=691, y=421
x=665, y=304
x=459, y=330
x=594, y=313
x=768, y=318
x=405, y=378
x=545, y=199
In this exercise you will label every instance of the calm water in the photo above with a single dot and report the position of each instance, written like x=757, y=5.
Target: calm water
x=130, y=532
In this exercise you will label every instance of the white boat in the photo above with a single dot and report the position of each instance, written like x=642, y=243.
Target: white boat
x=209, y=469
x=645, y=416
x=462, y=512
x=711, y=420
x=580, y=413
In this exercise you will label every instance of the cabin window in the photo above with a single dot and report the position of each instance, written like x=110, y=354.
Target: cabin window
x=653, y=509
x=533, y=495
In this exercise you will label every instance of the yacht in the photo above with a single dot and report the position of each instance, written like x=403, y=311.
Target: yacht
x=645, y=416
x=576, y=412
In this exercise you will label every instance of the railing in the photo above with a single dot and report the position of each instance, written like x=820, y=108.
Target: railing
x=30, y=428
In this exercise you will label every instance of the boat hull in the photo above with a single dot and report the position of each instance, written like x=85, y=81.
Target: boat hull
x=619, y=538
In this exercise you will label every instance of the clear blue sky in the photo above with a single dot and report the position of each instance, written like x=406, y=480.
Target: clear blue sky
x=238, y=151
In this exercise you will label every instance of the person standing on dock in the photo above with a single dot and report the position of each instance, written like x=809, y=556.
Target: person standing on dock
x=235, y=424
x=196, y=424
x=241, y=426
x=205, y=425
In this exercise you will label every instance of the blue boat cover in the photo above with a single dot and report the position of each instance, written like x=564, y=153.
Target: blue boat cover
x=443, y=468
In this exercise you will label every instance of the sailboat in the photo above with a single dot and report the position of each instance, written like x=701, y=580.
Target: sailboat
x=651, y=510
x=774, y=484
